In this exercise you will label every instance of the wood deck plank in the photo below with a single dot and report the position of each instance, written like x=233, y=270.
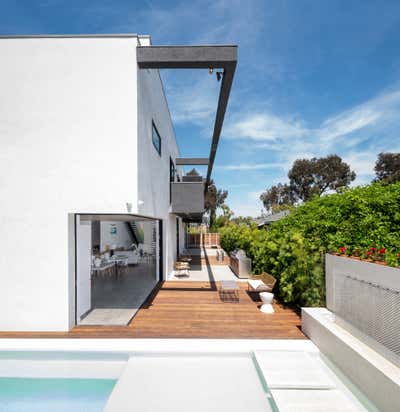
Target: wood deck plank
x=192, y=310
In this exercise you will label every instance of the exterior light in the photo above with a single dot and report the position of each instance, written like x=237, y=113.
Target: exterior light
x=210, y=70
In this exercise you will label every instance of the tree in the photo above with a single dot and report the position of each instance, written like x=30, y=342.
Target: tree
x=387, y=168
x=193, y=172
x=243, y=220
x=226, y=212
x=278, y=197
x=214, y=199
x=309, y=177
x=225, y=218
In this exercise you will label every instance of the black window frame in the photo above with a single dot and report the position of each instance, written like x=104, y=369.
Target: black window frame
x=154, y=129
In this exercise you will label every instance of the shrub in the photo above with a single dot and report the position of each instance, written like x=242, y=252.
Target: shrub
x=293, y=249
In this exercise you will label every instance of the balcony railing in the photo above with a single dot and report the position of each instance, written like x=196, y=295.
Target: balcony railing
x=187, y=197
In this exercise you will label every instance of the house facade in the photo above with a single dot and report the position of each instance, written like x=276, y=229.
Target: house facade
x=88, y=156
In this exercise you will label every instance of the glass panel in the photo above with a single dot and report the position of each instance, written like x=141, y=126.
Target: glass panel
x=117, y=268
x=156, y=139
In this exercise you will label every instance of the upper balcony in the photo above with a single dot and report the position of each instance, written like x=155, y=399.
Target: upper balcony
x=187, y=195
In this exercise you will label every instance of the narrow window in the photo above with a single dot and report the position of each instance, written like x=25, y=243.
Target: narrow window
x=155, y=136
x=171, y=170
x=171, y=177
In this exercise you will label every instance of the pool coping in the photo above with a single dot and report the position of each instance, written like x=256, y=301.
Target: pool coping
x=130, y=346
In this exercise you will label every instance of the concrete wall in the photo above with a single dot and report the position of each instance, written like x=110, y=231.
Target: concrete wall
x=68, y=125
x=153, y=169
x=337, y=266
x=365, y=300
x=360, y=331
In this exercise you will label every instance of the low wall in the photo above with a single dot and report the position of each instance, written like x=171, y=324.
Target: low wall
x=372, y=373
x=365, y=296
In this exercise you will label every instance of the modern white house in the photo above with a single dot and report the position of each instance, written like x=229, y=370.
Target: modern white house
x=92, y=182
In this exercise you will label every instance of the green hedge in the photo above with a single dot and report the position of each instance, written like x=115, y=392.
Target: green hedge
x=293, y=249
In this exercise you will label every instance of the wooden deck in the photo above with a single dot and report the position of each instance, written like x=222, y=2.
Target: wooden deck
x=192, y=310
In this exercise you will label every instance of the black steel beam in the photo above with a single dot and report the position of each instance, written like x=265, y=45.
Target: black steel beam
x=194, y=161
x=186, y=57
x=196, y=57
x=223, y=98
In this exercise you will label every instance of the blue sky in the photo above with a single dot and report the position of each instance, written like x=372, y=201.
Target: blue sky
x=313, y=78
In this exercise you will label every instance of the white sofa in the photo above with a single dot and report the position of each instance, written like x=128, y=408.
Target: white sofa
x=132, y=255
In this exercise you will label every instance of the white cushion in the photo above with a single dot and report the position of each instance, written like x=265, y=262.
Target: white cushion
x=257, y=284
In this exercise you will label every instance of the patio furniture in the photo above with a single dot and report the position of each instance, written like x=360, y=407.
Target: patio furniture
x=131, y=255
x=267, y=298
x=229, y=291
x=264, y=283
x=105, y=268
x=181, y=266
x=181, y=273
x=184, y=258
x=121, y=263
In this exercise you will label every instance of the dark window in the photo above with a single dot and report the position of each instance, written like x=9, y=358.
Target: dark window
x=172, y=172
x=155, y=136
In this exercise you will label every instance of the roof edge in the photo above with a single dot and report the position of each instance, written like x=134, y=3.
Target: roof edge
x=62, y=36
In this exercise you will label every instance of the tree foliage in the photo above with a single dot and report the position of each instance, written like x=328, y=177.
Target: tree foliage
x=193, y=172
x=310, y=177
x=214, y=199
x=278, y=197
x=387, y=168
x=223, y=219
x=293, y=248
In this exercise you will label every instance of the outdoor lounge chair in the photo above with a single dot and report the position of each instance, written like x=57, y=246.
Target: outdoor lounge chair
x=181, y=265
x=264, y=283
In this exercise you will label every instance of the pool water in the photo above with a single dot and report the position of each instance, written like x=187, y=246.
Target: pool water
x=54, y=395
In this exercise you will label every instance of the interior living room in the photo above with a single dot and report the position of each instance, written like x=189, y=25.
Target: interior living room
x=117, y=267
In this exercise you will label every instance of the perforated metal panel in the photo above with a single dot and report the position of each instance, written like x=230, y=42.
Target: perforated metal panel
x=373, y=309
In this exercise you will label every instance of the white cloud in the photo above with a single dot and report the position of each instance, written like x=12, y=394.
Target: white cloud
x=362, y=163
x=265, y=127
x=247, y=204
x=192, y=96
x=348, y=122
x=270, y=129
x=371, y=125
x=245, y=166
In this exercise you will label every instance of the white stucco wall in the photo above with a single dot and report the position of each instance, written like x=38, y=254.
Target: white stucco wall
x=153, y=169
x=68, y=124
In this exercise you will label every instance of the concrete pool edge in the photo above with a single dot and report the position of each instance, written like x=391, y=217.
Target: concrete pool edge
x=129, y=346
x=366, y=368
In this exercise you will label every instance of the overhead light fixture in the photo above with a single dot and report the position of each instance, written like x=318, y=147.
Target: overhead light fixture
x=219, y=75
x=210, y=70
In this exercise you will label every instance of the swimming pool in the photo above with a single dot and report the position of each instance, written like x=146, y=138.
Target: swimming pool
x=173, y=376
x=54, y=394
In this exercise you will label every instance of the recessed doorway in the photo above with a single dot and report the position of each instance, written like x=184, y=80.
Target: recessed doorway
x=117, y=266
